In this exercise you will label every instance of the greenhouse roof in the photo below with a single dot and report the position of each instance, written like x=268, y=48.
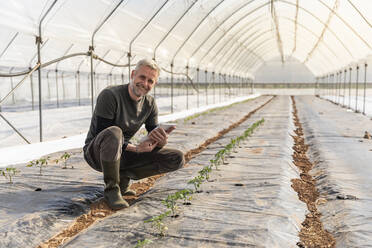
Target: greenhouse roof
x=225, y=36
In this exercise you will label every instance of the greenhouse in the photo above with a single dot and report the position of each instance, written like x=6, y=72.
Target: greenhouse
x=271, y=102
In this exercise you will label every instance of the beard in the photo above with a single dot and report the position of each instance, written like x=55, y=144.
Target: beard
x=138, y=89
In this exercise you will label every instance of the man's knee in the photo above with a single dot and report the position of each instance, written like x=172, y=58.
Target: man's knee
x=178, y=159
x=112, y=143
x=114, y=132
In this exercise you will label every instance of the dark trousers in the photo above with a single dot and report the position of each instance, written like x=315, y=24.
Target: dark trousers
x=107, y=146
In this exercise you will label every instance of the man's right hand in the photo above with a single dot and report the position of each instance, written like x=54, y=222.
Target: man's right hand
x=146, y=146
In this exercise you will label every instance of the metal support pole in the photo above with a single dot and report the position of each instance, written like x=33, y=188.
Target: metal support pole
x=39, y=42
x=219, y=85
x=78, y=87
x=356, y=89
x=339, y=87
x=350, y=69
x=32, y=92
x=213, y=86
x=336, y=96
x=343, y=103
x=172, y=88
x=187, y=87
x=57, y=91
x=365, y=88
x=206, y=87
x=91, y=49
x=328, y=86
x=252, y=86
x=229, y=83
x=197, y=83
x=334, y=79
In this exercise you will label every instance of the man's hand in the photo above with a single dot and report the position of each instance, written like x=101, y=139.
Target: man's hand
x=146, y=146
x=159, y=136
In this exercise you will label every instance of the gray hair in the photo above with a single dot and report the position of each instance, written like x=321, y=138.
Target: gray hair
x=147, y=62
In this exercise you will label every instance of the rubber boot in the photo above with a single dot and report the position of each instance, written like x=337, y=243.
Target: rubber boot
x=112, y=190
x=124, y=186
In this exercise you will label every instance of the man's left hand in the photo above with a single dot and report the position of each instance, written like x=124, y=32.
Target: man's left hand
x=159, y=135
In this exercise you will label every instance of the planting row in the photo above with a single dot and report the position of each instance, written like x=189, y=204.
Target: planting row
x=185, y=195
x=9, y=172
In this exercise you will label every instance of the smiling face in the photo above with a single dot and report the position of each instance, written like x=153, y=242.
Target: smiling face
x=143, y=80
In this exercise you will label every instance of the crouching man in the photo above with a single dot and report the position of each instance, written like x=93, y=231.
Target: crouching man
x=119, y=112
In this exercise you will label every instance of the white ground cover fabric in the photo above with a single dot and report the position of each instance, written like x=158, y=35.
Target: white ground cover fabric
x=263, y=212
x=343, y=168
x=354, y=103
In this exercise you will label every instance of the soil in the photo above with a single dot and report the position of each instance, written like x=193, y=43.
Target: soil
x=99, y=209
x=312, y=233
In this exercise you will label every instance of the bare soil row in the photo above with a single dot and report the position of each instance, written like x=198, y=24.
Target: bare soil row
x=312, y=233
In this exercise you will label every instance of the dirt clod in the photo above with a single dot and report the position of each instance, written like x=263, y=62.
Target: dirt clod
x=367, y=135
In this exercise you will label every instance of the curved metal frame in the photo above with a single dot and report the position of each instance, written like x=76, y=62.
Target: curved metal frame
x=246, y=47
x=347, y=24
x=236, y=39
x=212, y=33
x=248, y=64
x=8, y=45
x=91, y=49
x=138, y=34
x=174, y=25
x=196, y=28
x=283, y=1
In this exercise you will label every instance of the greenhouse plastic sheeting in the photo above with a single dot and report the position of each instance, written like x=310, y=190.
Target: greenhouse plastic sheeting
x=263, y=212
x=344, y=157
x=226, y=36
x=29, y=217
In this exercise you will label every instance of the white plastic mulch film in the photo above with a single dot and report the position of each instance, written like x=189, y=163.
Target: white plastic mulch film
x=225, y=36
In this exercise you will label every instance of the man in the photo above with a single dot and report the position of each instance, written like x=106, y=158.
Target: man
x=120, y=111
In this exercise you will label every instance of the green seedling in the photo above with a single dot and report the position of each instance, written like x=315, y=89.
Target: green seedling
x=196, y=182
x=185, y=194
x=42, y=162
x=157, y=223
x=205, y=172
x=8, y=173
x=143, y=243
x=214, y=162
x=171, y=203
x=65, y=157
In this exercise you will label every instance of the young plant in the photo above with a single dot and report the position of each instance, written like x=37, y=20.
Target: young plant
x=185, y=194
x=171, y=203
x=223, y=153
x=214, y=162
x=65, y=157
x=8, y=173
x=142, y=243
x=39, y=163
x=157, y=223
x=196, y=182
x=205, y=172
